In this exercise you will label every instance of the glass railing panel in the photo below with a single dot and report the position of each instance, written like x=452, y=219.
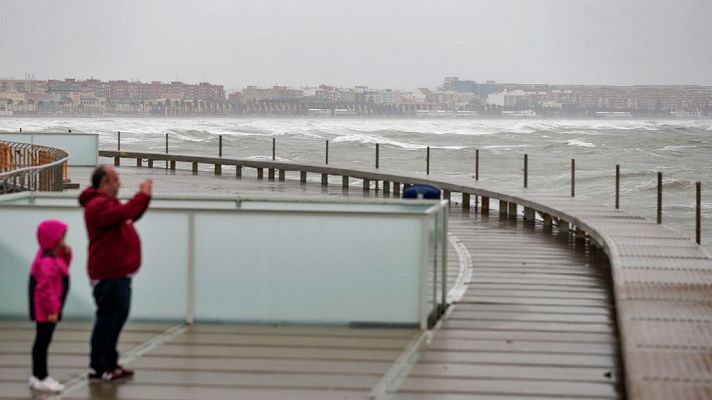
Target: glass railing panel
x=307, y=268
x=301, y=266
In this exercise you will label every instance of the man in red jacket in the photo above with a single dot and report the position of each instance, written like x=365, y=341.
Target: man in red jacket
x=114, y=257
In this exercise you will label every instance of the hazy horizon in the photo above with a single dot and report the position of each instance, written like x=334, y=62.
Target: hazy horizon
x=395, y=44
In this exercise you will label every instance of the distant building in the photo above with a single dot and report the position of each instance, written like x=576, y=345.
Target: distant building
x=453, y=83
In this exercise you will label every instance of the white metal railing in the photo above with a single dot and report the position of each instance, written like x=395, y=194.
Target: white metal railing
x=31, y=167
x=83, y=147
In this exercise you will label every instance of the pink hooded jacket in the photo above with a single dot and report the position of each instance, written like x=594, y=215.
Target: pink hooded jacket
x=49, y=275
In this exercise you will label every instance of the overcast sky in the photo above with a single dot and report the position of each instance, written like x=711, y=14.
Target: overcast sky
x=380, y=43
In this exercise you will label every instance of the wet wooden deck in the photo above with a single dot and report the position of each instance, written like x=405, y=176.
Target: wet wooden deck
x=535, y=320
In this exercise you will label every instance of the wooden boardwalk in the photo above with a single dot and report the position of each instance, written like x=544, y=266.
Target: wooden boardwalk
x=535, y=321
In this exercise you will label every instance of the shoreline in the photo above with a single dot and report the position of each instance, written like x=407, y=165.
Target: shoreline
x=353, y=117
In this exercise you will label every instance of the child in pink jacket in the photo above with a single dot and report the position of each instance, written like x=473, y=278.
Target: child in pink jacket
x=49, y=284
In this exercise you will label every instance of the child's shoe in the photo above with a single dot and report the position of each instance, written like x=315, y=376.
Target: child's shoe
x=47, y=384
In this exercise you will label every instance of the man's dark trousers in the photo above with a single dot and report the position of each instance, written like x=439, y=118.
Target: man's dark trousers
x=113, y=300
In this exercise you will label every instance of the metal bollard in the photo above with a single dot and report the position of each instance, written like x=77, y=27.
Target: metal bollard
x=166, y=150
x=427, y=162
x=477, y=165
x=573, y=177
x=618, y=186
x=376, y=155
x=698, y=212
x=660, y=197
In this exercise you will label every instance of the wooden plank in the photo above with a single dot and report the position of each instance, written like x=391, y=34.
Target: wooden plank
x=512, y=372
x=511, y=387
x=449, y=344
x=528, y=316
x=549, y=310
x=507, y=358
x=252, y=351
x=179, y=392
x=290, y=330
x=269, y=380
x=353, y=367
x=291, y=341
x=513, y=325
x=558, y=337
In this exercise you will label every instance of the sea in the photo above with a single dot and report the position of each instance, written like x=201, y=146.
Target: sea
x=680, y=149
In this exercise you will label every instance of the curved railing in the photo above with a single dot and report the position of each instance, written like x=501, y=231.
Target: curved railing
x=661, y=280
x=31, y=167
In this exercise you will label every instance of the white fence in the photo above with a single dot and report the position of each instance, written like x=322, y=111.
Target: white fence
x=252, y=259
x=83, y=148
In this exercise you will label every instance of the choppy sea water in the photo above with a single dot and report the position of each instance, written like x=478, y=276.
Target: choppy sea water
x=680, y=149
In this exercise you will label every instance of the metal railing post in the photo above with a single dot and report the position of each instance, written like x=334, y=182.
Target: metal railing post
x=526, y=170
x=377, y=155
x=427, y=161
x=326, y=161
x=618, y=186
x=220, y=146
x=477, y=164
x=573, y=177
x=31, y=167
x=166, y=150
x=698, y=211
x=274, y=146
x=660, y=198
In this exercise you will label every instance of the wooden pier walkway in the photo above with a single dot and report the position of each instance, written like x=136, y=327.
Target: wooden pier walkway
x=535, y=320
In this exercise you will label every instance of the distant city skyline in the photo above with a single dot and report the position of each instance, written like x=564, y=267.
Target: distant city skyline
x=453, y=98
x=437, y=84
x=396, y=43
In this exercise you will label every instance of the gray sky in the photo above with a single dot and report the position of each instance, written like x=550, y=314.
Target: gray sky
x=380, y=43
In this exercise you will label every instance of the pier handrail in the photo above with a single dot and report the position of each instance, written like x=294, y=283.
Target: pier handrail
x=32, y=167
x=527, y=198
x=658, y=274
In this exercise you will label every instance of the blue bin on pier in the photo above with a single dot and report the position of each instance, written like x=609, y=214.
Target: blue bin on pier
x=422, y=192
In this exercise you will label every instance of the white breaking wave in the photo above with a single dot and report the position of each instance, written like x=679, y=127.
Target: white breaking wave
x=269, y=158
x=680, y=147
x=371, y=139
x=580, y=143
x=505, y=146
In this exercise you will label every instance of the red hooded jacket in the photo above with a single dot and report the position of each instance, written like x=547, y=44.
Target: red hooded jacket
x=49, y=273
x=114, y=246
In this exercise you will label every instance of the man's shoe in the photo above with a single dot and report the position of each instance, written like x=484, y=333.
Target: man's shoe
x=123, y=372
x=106, y=376
x=111, y=377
